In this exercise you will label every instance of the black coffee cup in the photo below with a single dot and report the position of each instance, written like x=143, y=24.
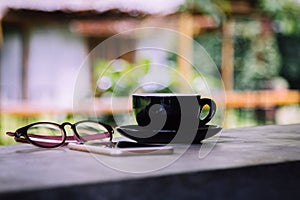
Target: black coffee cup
x=168, y=111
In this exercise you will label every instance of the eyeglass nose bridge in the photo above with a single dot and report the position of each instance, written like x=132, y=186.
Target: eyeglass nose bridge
x=75, y=135
x=72, y=126
x=66, y=123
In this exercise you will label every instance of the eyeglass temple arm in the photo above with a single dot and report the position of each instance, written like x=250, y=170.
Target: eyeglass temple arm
x=85, y=138
x=23, y=140
x=17, y=139
x=96, y=136
x=73, y=137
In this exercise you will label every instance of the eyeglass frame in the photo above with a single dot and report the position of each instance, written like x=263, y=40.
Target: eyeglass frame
x=23, y=132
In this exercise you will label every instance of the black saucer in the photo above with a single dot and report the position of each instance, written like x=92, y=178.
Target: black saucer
x=143, y=135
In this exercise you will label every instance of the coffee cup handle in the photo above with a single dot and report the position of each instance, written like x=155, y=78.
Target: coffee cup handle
x=212, y=110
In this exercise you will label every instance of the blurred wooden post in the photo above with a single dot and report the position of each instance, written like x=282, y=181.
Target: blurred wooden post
x=1, y=31
x=25, y=55
x=228, y=55
x=1, y=42
x=185, y=50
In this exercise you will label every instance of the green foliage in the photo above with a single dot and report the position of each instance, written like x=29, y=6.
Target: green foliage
x=117, y=77
x=120, y=78
x=12, y=123
x=285, y=13
x=215, y=8
x=257, y=58
x=212, y=43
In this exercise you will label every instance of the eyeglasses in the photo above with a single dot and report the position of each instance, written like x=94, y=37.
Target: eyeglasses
x=51, y=135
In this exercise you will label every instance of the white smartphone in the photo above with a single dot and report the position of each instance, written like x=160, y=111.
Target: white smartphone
x=122, y=148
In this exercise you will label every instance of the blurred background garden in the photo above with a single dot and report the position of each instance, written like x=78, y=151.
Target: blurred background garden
x=255, y=45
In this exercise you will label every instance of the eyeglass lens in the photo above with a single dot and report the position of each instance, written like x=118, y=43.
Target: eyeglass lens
x=89, y=130
x=49, y=135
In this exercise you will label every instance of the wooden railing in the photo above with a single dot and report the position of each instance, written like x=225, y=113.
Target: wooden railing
x=264, y=98
x=234, y=99
x=99, y=106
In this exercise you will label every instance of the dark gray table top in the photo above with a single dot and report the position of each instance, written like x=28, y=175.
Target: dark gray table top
x=27, y=168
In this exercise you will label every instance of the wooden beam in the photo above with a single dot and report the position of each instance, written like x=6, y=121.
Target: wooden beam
x=262, y=98
x=25, y=55
x=1, y=32
x=185, y=50
x=105, y=27
x=103, y=105
x=203, y=22
x=228, y=55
